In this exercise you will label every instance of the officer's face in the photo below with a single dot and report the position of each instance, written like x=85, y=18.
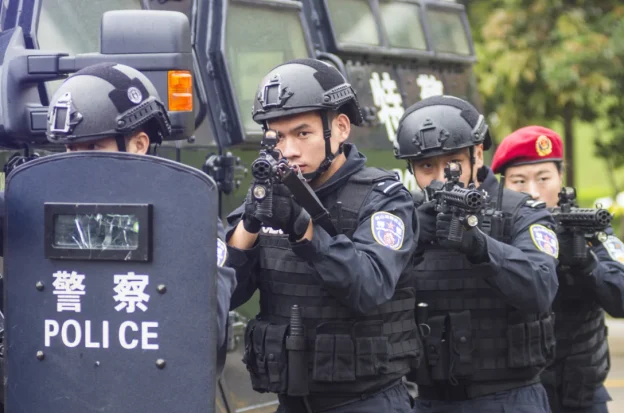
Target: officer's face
x=103, y=145
x=540, y=180
x=427, y=170
x=137, y=144
x=300, y=138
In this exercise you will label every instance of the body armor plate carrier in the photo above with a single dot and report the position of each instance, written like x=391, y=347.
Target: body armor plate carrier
x=347, y=354
x=582, y=359
x=476, y=344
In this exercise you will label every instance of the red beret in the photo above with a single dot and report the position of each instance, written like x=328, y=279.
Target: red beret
x=532, y=144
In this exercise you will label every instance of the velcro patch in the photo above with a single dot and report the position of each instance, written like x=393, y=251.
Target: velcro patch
x=615, y=248
x=388, y=230
x=221, y=253
x=545, y=239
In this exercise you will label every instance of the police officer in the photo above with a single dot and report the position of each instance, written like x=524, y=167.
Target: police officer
x=357, y=309
x=483, y=301
x=113, y=107
x=531, y=159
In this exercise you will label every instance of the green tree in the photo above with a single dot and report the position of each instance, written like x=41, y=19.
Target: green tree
x=545, y=60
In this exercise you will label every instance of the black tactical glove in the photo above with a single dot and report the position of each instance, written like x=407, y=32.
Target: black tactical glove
x=473, y=242
x=427, y=222
x=287, y=214
x=250, y=222
x=583, y=264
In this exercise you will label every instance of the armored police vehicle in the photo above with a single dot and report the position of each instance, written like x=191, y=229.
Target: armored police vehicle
x=394, y=53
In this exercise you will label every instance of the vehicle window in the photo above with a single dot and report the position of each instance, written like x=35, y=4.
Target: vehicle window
x=258, y=39
x=353, y=22
x=183, y=6
x=402, y=24
x=68, y=26
x=448, y=32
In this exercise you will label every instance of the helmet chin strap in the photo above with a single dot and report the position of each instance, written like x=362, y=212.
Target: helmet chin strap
x=329, y=156
x=121, y=143
x=472, y=164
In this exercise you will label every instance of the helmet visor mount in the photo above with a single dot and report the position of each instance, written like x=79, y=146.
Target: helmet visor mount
x=64, y=116
x=61, y=124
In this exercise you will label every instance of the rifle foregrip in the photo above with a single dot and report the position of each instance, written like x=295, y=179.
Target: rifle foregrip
x=579, y=247
x=455, y=230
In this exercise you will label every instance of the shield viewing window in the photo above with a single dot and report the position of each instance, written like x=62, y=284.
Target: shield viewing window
x=98, y=232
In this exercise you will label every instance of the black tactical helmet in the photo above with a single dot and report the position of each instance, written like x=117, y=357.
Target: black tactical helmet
x=306, y=85
x=439, y=125
x=106, y=100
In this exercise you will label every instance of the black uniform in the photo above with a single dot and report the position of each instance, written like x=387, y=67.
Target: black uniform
x=490, y=331
x=575, y=381
x=358, y=311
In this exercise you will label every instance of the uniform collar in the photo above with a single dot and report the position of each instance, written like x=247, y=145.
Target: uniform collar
x=355, y=161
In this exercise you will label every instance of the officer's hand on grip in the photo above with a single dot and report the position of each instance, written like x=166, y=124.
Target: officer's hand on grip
x=427, y=222
x=287, y=214
x=579, y=265
x=250, y=222
x=473, y=242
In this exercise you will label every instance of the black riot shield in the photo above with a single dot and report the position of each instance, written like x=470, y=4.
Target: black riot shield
x=110, y=278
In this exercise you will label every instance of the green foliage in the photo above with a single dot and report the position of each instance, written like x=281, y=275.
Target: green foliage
x=536, y=57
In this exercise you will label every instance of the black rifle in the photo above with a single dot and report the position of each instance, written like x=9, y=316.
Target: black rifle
x=269, y=169
x=463, y=203
x=584, y=224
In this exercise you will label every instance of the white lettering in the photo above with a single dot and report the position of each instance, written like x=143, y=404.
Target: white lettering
x=51, y=329
x=429, y=86
x=104, y=334
x=77, y=334
x=130, y=289
x=387, y=98
x=68, y=288
x=269, y=230
x=72, y=333
x=88, y=342
x=122, y=335
x=146, y=335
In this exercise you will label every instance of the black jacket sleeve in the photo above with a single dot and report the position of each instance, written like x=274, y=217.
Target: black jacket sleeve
x=608, y=276
x=524, y=272
x=362, y=272
x=244, y=263
x=226, y=283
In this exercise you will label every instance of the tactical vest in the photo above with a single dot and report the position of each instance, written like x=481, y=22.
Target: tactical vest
x=346, y=353
x=582, y=359
x=475, y=343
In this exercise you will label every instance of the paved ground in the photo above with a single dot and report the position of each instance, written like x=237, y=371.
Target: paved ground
x=615, y=384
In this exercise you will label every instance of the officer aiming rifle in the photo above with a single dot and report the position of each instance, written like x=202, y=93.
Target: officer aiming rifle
x=589, y=270
x=582, y=224
x=271, y=169
x=452, y=197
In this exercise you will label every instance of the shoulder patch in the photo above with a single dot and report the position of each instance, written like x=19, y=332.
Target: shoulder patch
x=221, y=252
x=388, y=187
x=388, y=230
x=535, y=204
x=545, y=240
x=615, y=248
